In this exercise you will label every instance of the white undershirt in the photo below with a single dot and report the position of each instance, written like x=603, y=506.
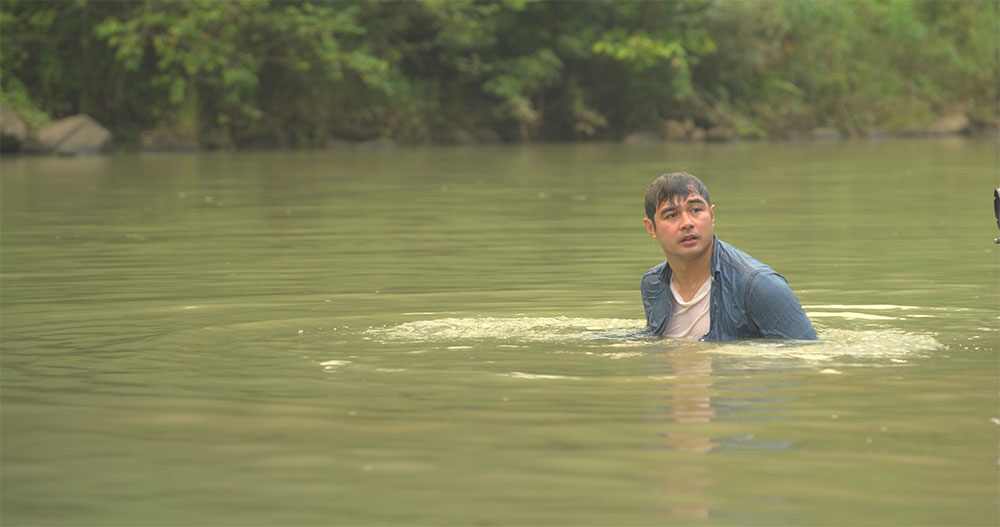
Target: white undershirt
x=690, y=320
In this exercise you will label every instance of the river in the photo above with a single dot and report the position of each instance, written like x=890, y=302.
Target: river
x=447, y=336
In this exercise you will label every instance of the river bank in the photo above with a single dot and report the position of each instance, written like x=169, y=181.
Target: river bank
x=82, y=135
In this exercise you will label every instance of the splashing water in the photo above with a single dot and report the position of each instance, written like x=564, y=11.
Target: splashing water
x=875, y=344
x=516, y=329
x=881, y=344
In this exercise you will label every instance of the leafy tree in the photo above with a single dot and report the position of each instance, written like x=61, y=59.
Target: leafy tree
x=206, y=58
x=298, y=73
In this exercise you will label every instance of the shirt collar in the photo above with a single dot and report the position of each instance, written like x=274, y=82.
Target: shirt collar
x=716, y=265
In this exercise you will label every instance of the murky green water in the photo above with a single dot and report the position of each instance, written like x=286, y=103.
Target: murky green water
x=440, y=336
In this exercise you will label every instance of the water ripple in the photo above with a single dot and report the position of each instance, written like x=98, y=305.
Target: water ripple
x=529, y=329
x=881, y=344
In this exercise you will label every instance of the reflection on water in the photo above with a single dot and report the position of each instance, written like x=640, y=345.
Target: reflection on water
x=688, y=401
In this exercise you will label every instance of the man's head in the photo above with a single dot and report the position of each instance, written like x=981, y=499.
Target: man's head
x=673, y=186
x=680, y=217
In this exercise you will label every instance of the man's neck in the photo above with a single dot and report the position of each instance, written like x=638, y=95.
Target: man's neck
x=688, y=275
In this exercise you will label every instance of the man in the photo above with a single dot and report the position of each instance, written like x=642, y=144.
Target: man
x=708, y=289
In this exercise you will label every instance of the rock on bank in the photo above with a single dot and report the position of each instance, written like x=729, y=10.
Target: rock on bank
x=13, y=130
x=77, y=134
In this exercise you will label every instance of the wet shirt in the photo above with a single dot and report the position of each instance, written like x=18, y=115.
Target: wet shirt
x=689, y=319
x=748, y=299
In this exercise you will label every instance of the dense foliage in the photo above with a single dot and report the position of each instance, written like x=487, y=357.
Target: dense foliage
x=279, y=73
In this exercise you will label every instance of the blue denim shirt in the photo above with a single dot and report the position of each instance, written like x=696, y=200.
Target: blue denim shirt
x=749, y=299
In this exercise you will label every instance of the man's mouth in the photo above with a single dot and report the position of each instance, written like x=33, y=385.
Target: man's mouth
x=689, y=239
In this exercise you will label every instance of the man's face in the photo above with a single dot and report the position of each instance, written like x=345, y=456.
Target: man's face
x=684, y=227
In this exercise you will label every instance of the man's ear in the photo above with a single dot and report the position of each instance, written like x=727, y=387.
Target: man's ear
x=650, y=226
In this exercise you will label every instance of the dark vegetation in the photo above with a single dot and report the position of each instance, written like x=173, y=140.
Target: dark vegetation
x=284, y=74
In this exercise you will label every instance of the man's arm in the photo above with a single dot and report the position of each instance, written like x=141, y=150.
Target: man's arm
x=774, y=309
x=656, y=305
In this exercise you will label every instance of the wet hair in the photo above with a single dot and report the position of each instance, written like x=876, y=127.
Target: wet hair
x=671, y=186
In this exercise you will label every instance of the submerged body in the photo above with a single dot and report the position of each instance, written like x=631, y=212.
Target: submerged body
x=748, y=299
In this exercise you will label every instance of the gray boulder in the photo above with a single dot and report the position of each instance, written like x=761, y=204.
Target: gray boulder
x=675, y=131
x=721, y=134
x=952, y=124
x=683, y=131
x=640, y=138
x=78, y=134
x=956, y=123
x=982, y=125
x=13, y=130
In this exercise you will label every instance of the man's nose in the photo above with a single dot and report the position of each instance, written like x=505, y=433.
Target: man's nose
x=686, y=221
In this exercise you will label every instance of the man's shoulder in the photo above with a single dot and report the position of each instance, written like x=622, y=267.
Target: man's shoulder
x=731, y=256
x=653, y=279
x=656, y=270
x=747, y=273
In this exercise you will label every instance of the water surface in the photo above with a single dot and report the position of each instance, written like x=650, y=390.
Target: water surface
x=449, y=336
